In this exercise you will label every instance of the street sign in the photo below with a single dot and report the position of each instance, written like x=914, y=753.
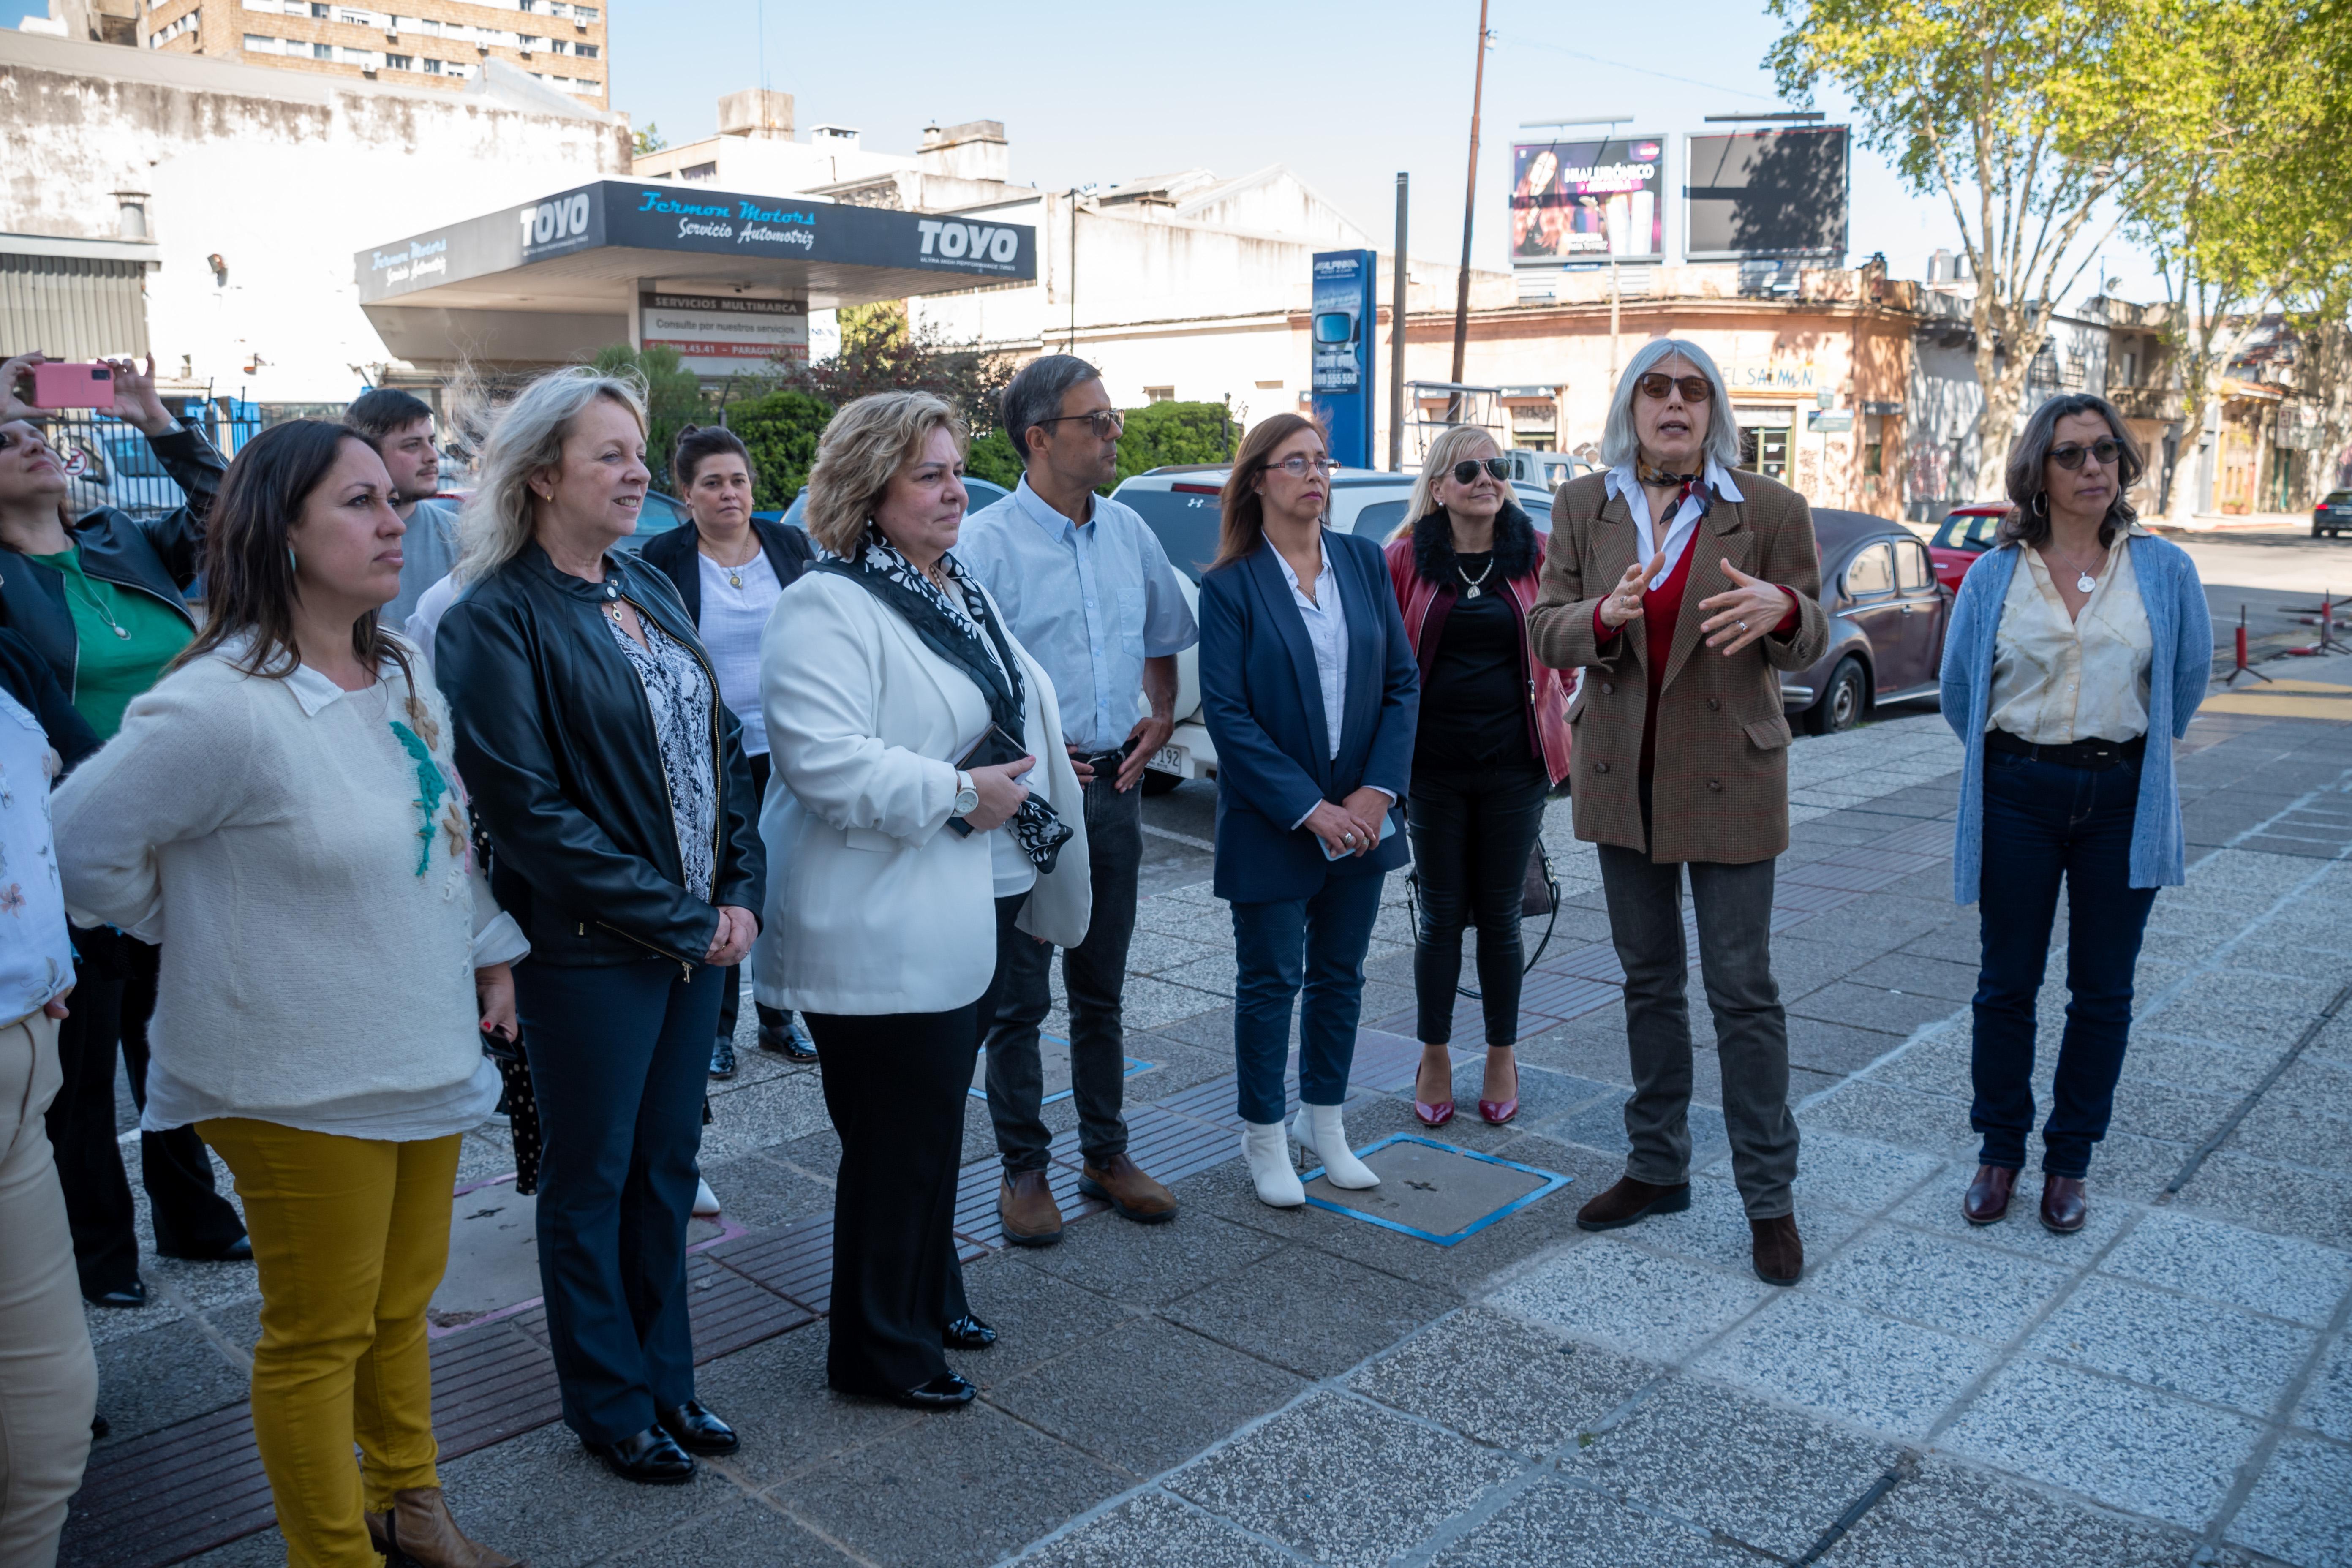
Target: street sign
x=1342, y=320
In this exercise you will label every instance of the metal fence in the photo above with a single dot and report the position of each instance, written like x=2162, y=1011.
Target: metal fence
x=109, y=463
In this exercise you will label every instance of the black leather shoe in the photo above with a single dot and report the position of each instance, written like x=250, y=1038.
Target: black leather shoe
x=132, y=1295
x=944, y=1392
x=237, y=1251
x=788, y=1040
x=649, y=1457
x=697, y=1431
x=968, y=1333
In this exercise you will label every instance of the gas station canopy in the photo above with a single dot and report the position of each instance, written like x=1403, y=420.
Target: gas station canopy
x=553, y=281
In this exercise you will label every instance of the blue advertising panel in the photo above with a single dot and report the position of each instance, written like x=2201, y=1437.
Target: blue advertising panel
x=1343, y=321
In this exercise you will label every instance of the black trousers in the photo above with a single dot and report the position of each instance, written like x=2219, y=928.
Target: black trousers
x=731, y=1006
x=1472, y=834
x=896, y=1085
x=113, y=997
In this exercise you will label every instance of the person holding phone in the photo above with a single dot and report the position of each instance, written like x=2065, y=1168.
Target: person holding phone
x=932, y=817
x=102, y=599
x=1310, y=692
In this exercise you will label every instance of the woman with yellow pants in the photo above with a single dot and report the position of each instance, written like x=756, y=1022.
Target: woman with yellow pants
x=285, y=801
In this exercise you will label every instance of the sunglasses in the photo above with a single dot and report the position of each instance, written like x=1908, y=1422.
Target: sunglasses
x=1297, y=467
x=1466, y=471
x=1660, y=385
x=2104, y=451
x=1105, y=423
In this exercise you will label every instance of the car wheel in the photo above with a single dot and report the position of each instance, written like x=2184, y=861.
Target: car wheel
x=1157, y=783
x=1842, y=701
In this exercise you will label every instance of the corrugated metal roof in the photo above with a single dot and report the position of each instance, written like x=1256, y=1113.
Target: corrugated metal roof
x=72, y=307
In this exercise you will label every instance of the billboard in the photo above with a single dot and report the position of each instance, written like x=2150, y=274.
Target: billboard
x=1766, y=192
x=1342, y=320
x=1584, y=201
x=725, y=334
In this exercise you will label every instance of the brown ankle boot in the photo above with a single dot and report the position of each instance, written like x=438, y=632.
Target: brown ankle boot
x=1779, y=1253
x=1127, y=1187
x=1026, y=1207
x=1628, y=1201
x=418, y=1530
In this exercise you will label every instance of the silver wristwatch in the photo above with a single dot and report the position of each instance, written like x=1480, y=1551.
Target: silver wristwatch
x=967, y=799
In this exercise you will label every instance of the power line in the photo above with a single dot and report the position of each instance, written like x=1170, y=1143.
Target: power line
x=1625, y=65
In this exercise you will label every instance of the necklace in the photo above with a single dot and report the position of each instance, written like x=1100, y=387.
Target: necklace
x=2083, y=582
x=1470, y=585
x=734, y=570
x=95, y=603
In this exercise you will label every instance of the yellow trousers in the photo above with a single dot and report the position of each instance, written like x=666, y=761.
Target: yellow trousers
x=350, y=1235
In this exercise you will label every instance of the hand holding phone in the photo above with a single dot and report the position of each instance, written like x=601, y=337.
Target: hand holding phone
x=73, y=386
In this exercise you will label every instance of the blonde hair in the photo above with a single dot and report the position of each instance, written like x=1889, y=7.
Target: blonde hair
x=860, y=452
x=527, y=437
x=1450, y=447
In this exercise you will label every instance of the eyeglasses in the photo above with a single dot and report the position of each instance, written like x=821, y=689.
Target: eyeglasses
x=1659, y=385
x=1105, y=423
x=1466, y=471
x=1297, y=467
x=2104, y=451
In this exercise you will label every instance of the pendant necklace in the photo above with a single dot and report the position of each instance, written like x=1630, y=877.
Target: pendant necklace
x=2083, y=581
x=735, y=573
x=1470, y=585
x=95, y=603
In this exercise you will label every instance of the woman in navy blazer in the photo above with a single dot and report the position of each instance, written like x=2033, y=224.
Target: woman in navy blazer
x=1310, y=690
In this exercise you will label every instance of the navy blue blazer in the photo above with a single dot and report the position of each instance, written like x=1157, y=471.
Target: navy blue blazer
x=1262, y=702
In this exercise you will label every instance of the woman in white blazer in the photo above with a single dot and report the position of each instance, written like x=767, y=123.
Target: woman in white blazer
x=932, y=814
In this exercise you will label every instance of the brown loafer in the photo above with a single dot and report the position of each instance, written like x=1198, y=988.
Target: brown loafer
x=1628, y=1201
x=1122, y=1183
x=1987, y=1200
x=1778, y=1252
x=2064, y=1204
x=417, y=1529
x=1026, y=1207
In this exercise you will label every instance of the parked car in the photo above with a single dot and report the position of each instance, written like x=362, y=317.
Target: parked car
x=109, y=463
x=1966, y=533
x=2333, y=515
x=1888, y=614
x=1179, y=505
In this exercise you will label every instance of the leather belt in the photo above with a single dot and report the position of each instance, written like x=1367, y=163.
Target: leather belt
x=2094, y=755
x=1103, y=762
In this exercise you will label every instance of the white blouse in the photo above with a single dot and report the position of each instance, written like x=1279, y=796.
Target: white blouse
x=2057, y=680
x=732, y=621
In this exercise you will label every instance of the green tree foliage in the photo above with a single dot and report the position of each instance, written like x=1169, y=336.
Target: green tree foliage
x=992, y=458
x=881, y=352
x=673, y=399
x=1161, y=434
x=649, y=140
x=780, y=428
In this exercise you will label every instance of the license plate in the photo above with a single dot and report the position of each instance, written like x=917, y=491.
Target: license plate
x=1172, y=760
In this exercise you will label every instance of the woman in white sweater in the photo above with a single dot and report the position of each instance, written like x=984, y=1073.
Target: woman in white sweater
x=286, y=803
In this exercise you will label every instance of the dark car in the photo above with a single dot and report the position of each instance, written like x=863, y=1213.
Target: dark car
x=1966, y=533
x=1887, y=617
x=2333, y=515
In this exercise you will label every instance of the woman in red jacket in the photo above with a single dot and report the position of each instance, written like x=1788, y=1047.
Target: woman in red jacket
x=1492, y=743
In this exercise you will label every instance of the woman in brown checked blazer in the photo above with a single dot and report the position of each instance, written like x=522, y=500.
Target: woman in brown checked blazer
x=1680, y=590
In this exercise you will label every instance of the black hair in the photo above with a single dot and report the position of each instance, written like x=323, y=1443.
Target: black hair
x=697, y=442
x=375, y=413
x=2029, y=519
x=1035, y=395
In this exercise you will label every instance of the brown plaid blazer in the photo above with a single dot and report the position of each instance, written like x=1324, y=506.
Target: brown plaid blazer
x=1719, y=789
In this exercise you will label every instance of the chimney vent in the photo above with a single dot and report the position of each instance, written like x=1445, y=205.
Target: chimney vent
x=757, y=111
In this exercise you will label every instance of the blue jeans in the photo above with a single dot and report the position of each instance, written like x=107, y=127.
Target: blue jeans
x=1317, y=942
x=2043, y=821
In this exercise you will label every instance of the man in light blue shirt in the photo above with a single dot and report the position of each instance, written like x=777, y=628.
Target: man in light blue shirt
x=1087, y=588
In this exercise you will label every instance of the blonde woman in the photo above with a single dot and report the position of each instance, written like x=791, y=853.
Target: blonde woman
x=1491, y=744
x=932, y=819
x=612, y=779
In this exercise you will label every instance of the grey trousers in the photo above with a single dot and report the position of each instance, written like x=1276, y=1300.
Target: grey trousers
x=1735, y=930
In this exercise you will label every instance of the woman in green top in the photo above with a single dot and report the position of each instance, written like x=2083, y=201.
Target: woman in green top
x=102, y=599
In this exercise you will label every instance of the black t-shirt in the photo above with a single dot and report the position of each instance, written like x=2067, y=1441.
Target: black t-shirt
x=1474, y=704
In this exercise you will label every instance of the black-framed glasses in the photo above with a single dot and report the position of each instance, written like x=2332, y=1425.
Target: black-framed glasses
x=1297, y=467
x=2105, y=452
x=1658, y=384
x=1466, y=471
x=1105, y=422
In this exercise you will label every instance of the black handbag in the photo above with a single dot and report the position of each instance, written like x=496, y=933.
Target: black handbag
x=1538, y=895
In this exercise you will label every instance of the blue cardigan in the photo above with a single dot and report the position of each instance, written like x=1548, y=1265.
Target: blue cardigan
x=2180, y=668
x=1262, y=702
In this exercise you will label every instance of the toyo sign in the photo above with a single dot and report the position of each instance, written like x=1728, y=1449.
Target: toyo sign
x=972, y=243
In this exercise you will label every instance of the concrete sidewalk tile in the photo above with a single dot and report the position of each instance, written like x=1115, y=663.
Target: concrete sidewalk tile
x=1322, y=1476
x=1715, y=1229
x=2126, y=1166
x=1886, y=1008
x=1951, y=1516
x=1555, y=1524
x=1612, y=1294
x=2206, y=1352
x=2207, y=1065
x=1149, y=1264
x=1496, y=1380
x=2301, y=1508
x=1952, y=977
x=1962, y=1289
x=774, y=1395
x=1841, y=1048
x=1856, y=1173
x=1924, y=1123
x=1761, y=1475
x=1937, y=1207
x=1601, y=1125
x=2327, y=1403
x=2128, y=1448
x=1155, y=1528
x=544, y=1496
x=1307, y=1310
x=2279, y=1128
x=1036, y=1316
x=160, y=1376
x=1938, y=1064
x=2276, y=1275
x=2163, y=1111
x=758, y=1193
x=747, y=1534
x=1828, y=1358
x=962, y=1486
x=763, y=1115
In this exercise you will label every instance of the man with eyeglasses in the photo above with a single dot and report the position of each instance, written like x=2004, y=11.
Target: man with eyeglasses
x=1088, y=590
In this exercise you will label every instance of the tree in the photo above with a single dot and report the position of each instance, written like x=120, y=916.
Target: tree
x=2020, y=112
x=781, y=429
x=1161, y=434
x=673, y=399
x=649, y=140
x=880, y=352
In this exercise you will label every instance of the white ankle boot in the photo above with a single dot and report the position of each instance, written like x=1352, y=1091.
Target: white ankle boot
x=1320, y=1132
x=1267, y=1154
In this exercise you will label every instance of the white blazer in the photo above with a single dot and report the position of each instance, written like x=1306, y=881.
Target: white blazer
x=873, y=905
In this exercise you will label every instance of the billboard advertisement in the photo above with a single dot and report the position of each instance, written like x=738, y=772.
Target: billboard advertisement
x=1765, y=194
x=1342, y=321
x=1586, y=201
x=725, y=334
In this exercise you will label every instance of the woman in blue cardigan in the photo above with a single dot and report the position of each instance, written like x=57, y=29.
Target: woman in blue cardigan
x=1310, y=690
x=2074, y=643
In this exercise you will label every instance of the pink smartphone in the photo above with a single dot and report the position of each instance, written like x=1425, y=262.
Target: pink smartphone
x=73, y=387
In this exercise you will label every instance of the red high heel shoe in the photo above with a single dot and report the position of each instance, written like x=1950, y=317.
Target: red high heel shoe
x=1495, y=1112
x=1436, y=1115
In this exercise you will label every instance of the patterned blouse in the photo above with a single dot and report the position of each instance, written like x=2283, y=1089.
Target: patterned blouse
x=678, y=689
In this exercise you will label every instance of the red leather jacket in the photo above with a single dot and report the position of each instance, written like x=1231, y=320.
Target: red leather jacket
x=1426, y=605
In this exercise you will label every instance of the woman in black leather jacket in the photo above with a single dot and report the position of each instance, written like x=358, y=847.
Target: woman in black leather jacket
x=99, y=600
x=612, y=780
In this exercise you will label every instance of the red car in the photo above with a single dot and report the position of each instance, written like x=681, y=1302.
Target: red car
x=1966, y=533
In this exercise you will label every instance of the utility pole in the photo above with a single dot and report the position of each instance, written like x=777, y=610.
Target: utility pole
x=1396, y=333
x=1469, y=211
x=1072, y=346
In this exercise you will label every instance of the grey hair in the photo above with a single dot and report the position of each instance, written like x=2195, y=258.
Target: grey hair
x=527, y=438
x=1620, y=446
x=1450, y=447
x=860, y=452
x=1035, y=395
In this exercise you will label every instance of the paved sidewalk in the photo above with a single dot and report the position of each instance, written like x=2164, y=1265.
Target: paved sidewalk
x=1247, y=1386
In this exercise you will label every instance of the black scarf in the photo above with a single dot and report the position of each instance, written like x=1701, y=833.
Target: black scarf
x=1433, y=546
